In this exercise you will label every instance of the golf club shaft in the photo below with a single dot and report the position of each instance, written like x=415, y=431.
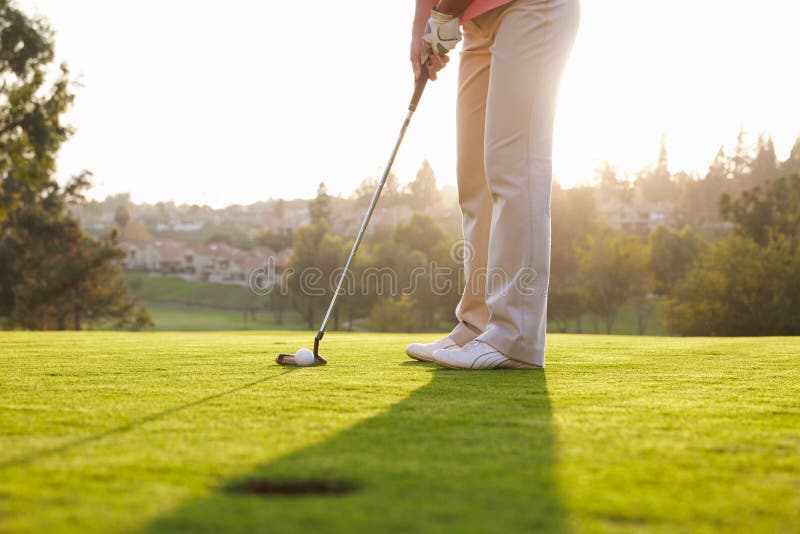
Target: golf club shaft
x=420, y=86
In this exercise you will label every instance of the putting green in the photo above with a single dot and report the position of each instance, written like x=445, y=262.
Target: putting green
x=153, y=432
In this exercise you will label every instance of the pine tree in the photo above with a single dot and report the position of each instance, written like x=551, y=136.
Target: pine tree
x=662, y=174
x=765, y=165
x=656, y=181
x=741, y=160
x=422, y=191
x=279, y=209
x=121, y=218
x=792, y=163
x=610, y=187
x=719, y=170
x=319, y=209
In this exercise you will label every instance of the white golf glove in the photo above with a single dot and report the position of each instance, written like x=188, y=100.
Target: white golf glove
x=442, y=34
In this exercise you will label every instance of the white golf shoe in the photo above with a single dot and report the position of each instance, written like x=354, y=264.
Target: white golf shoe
x=477, y=355
x=424, y=351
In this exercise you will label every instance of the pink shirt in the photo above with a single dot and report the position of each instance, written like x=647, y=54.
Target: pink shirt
x=478, y=7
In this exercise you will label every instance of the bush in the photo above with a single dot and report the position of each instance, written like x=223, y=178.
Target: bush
x=738, y=289
x=392, y=315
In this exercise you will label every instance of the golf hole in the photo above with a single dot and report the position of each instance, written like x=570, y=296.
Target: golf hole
x=265, y=487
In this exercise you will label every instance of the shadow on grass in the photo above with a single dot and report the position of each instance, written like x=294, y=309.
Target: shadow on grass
x=469, y=451
x=31, y=457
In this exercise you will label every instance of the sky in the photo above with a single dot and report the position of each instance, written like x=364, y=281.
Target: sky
x=240, y=101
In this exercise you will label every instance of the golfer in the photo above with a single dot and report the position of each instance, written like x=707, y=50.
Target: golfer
x=511, y=62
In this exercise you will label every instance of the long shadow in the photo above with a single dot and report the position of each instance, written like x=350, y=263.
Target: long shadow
x=469, y=451
x=31, y=457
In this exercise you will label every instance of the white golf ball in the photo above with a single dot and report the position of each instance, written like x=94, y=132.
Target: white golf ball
x=304, y=357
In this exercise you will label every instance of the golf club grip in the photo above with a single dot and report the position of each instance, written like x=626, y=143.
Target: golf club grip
x=419, y=88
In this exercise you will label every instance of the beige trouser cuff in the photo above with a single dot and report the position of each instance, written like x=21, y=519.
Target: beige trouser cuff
x=513, y=345
x=462, y=334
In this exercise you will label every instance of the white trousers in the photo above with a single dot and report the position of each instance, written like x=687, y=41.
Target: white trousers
x=509, y=73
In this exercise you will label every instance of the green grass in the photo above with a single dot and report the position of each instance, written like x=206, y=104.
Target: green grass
x=173, y=290
x=188, y=318
x=175, y=304
x=121, y=432
x=625, y=323
x=178, y=317
x=180, y=305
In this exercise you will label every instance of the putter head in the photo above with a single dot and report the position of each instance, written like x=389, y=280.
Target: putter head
x=288, y=359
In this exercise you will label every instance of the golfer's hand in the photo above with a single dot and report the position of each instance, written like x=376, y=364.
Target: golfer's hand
x=434, y=62
x=442, y=34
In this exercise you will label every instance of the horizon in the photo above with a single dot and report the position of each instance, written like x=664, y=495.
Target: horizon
x=221, y=123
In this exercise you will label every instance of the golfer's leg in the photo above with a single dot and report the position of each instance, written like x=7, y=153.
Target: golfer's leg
x=530, y=48
x=473, y=191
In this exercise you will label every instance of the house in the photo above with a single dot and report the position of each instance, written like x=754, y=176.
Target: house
x=244, y=263
x=215, y=262
x=165, y=256
x=638, y=217
x=203, y=262
x=188, y=226
x=135, y=256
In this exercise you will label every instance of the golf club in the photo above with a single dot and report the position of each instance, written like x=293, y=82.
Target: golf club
x=289, y=359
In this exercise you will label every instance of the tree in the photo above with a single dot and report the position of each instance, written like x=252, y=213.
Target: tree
x=573, y=220
x=610, y=187
x=671, y=255
x=360, y=300
x=420, y=232
x=656, y=182
x=304, y=257
x=742, y=158
x=121, y=218
x=54, y=277
x=279, y=209
x=31, y=131
x=764, y=166
x=443, y=288
x=767, y=214
x=699, y=202
x=423, y=193
x=363, y=193
x=390, y=194
x=400, y=262
x=392, y=315
x=319, y=209
x=720, y=169
x=315, y=258
x=331, y=257
x=615, y=269
x=564, y=304
x=277, y=302
x=792, y=163
x=738, y=288
x=277, y=240
x=426, y=240
x=51, y=274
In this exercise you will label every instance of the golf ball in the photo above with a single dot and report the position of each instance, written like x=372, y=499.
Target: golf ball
x=304, y=357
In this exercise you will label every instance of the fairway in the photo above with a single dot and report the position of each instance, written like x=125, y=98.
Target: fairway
x=153, y=432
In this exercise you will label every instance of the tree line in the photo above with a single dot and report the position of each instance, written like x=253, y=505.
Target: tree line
x=726, y=263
